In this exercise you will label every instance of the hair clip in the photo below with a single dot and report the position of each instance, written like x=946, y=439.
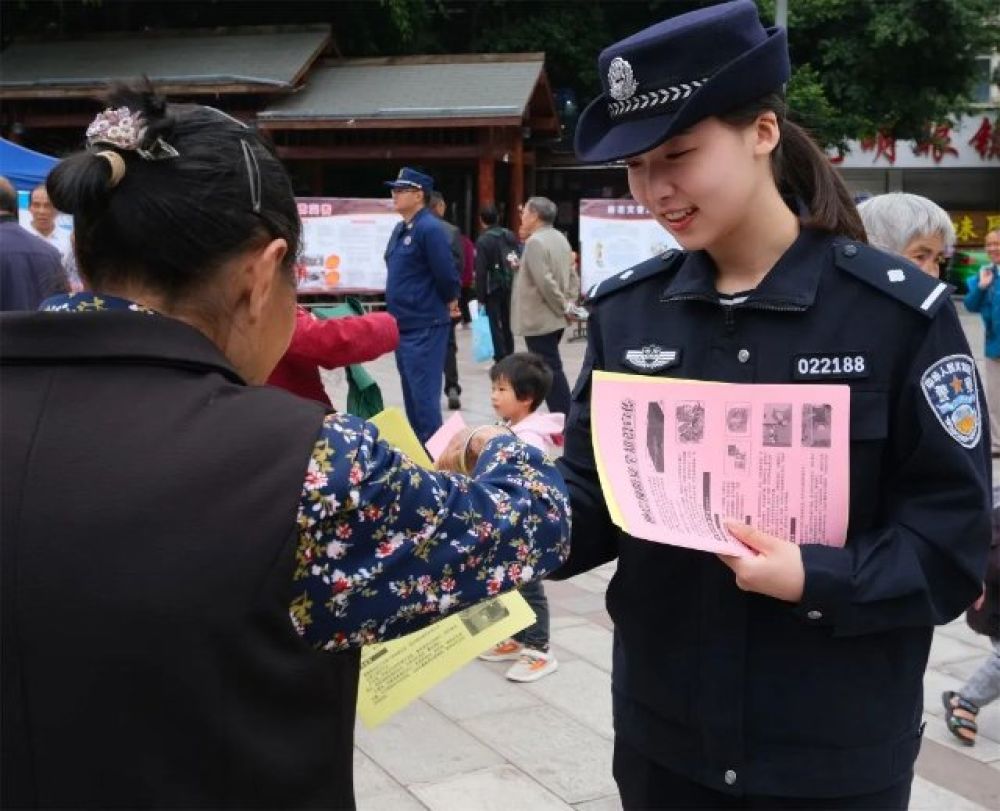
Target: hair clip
x=253, y=175
x=125, y=130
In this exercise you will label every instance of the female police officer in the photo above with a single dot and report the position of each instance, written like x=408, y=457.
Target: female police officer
x=791, y=678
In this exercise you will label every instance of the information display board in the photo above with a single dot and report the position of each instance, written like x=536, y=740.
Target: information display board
x=344, y=241
x=614, y=236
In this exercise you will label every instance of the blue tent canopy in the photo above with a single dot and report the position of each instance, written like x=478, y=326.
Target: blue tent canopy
x=24, y=167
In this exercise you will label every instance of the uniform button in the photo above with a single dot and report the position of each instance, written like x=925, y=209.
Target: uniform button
x=743, y=355
x=815, y=615
x=730, y=777
x=850, y=250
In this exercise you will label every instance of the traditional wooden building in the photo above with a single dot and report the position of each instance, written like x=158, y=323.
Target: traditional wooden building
x=48, y=88
x=473, y=121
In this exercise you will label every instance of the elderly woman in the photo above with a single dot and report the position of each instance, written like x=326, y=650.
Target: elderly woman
x=909, y=225
x=192, y=560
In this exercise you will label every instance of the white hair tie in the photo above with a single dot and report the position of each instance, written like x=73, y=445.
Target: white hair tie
x=117, y=165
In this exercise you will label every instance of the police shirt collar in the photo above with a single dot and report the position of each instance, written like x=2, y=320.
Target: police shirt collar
x=792, y=282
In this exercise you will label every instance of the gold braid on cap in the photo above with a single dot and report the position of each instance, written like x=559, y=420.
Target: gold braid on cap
x=117, y=165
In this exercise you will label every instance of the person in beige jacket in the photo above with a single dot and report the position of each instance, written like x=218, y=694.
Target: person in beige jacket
x=542, y=297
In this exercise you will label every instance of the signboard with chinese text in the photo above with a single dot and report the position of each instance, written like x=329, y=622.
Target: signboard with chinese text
x=344, y=241
x=971, y=227
x=614, y=236
x=970, y=142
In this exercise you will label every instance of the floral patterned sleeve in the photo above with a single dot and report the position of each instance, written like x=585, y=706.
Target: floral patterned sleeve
x=386, y=547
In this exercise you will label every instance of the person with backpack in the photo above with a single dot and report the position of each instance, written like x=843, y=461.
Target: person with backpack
x=497, y=257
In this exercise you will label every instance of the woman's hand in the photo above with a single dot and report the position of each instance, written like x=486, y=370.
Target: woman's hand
x=776, y=570
x=468, y=443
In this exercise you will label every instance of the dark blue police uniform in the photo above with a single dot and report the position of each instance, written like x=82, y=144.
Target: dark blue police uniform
x=717, y=684
x=421, y=280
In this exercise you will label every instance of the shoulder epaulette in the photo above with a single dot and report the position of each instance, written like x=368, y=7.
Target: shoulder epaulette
x=651, y=267
x=892, y=275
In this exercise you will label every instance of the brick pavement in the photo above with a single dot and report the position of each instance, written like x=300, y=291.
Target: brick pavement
x=478, y=741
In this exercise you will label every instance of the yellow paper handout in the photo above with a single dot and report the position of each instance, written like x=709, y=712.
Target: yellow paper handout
x=395, y=673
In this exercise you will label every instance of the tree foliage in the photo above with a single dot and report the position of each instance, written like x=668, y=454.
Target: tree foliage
x=860, y=66
x=887, y=65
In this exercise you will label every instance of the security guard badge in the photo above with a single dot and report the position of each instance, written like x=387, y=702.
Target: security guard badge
x=652, y=358
x=952, y=391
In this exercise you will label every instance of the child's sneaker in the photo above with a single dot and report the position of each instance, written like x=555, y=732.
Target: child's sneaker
x=532, y=665
x=503, y=651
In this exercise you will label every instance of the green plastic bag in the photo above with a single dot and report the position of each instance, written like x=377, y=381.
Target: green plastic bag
x=364, y=397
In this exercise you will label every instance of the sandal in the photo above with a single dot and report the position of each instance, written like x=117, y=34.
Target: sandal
x=964, y=726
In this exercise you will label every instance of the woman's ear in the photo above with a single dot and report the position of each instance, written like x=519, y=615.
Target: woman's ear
x=766, y=133
x=262, y=272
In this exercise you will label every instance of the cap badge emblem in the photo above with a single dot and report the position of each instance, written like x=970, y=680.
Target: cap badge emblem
x=621, y=81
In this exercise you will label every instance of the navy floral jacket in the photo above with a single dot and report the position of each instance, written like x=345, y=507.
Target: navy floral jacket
x=386, y=547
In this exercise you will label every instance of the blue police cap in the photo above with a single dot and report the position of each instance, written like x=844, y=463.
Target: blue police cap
x=668, y=77
x=412, y=179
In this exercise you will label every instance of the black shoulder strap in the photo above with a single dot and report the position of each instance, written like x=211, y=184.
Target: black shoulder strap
x=669, y=260
x=892, y=275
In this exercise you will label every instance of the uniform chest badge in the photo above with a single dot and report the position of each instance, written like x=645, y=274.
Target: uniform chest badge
x=951, y=388
x=407, y=239
x=621, y=81
x=652, y=358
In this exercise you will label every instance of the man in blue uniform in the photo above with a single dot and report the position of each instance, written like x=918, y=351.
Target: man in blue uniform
x=422, y=282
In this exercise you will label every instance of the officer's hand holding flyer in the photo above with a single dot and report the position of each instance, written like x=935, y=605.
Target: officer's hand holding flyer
x=677, y=458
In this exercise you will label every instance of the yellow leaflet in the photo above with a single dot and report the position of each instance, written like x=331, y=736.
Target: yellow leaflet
x=394, y=428
x=395, y=673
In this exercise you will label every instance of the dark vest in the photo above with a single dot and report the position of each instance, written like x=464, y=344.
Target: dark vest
x=148, y=510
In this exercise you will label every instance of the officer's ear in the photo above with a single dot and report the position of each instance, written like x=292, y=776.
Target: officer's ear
x=766, y=133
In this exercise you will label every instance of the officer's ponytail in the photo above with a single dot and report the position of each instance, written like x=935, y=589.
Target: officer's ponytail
x=803, y=171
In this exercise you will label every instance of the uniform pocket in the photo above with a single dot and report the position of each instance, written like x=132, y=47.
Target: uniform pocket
x=869, y=416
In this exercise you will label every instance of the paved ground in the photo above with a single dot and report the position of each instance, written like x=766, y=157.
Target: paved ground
x=478, y=741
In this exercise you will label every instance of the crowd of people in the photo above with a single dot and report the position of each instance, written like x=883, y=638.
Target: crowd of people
x=192, y=559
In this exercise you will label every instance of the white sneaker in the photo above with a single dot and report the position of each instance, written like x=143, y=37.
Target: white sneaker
x=503, y=651
x=532, y=665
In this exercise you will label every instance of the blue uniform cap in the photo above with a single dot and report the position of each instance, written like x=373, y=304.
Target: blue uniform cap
x=412, y=179
x=668, y=77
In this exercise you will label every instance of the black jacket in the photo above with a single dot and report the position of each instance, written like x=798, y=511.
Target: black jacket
x=148, y=510
x=742, y=692
x=30, y=269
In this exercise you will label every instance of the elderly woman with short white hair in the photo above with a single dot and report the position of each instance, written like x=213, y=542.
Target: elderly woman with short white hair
x=912, y=226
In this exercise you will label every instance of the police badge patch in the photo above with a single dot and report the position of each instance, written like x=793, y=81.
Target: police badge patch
x=951, y=388
x=652, y=358
x=621, y=81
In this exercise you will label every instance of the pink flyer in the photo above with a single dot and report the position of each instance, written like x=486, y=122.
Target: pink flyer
x=679, y=457
x=437, y=443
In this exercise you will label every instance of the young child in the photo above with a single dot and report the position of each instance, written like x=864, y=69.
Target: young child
x=521, y=382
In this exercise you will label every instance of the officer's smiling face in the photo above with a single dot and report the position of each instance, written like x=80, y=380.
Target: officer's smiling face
x=701, y=184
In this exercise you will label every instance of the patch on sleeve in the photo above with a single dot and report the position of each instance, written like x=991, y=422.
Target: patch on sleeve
x=951, y=388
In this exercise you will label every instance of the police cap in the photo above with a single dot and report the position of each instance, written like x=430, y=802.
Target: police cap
x=666, y=78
